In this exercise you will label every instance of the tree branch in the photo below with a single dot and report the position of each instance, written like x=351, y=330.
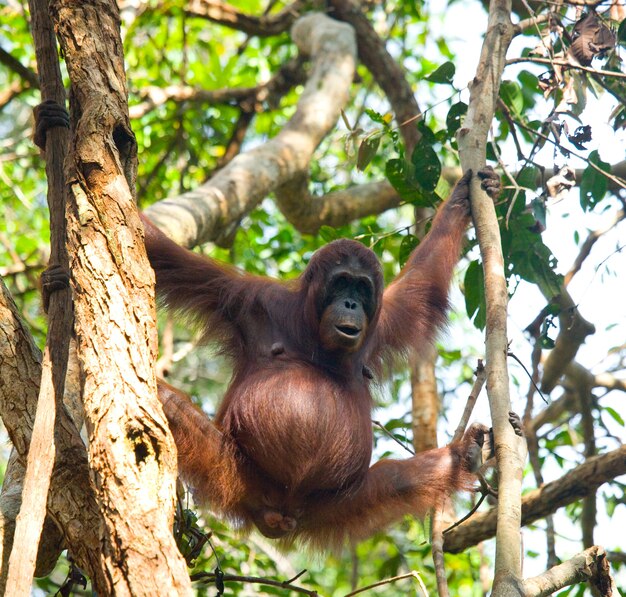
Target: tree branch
x=201, y=214
x=573, y=329
x=389, y=75
x=71, y=502
x=566, y=63
x=590, y=565
x=539, y=503
x=250, y=98
x=13, y=64
x=264, y=26
x=42, y=450
x=132, y=454
x=510, y=449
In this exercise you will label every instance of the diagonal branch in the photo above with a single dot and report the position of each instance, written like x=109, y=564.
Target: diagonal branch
x=201, y=214
x=387, y=72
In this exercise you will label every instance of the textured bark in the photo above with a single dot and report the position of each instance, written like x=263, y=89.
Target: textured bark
x=510, y=452
x=131, y=452
x=424, y=403
x=70, y=504
x=41, y=455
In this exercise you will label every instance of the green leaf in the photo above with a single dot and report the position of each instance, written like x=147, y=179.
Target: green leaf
x=614, y=415
x=367, y=151
x=428, y=137
x=474, y=287
x=511, y=95
x=593, y=184
x=444, y=74
x=408, y=244
x=538, y=208
x=376, y=116
x=455, y=117
x=427, y=166
x=328, y=233
x=400, y=175
x=527, y=177
x=528, y=257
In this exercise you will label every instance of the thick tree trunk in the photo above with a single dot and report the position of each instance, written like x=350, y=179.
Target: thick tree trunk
x=131, y=452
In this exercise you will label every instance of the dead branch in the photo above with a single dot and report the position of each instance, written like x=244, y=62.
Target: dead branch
x=590, y=565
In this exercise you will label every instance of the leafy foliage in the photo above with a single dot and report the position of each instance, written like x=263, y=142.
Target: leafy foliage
x=182, y=142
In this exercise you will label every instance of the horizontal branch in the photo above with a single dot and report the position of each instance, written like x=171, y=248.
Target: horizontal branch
x=566, y=63
x=539, y=503
x=308, y=213
x=263, y=26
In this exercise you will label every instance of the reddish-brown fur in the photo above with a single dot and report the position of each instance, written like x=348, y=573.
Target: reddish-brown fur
x=290, y=447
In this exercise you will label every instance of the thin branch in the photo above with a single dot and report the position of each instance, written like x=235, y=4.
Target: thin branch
x=43, y=446
x=393, y=437
x=479, y=382
x=388, y=581
x=437, y=552
x=590, y=241
x=13, y=64
x=509, y=449
x=618, y=181
x=552, y=62
x=251, y=99
x=209, y=577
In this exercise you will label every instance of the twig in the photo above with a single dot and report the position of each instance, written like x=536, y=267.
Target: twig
x=387, y=581
x=551, y=62
x=479, y=382
x=616, y=179
x=591, y=240
x=393, y=437
x=469, y=514
x=515, y=358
